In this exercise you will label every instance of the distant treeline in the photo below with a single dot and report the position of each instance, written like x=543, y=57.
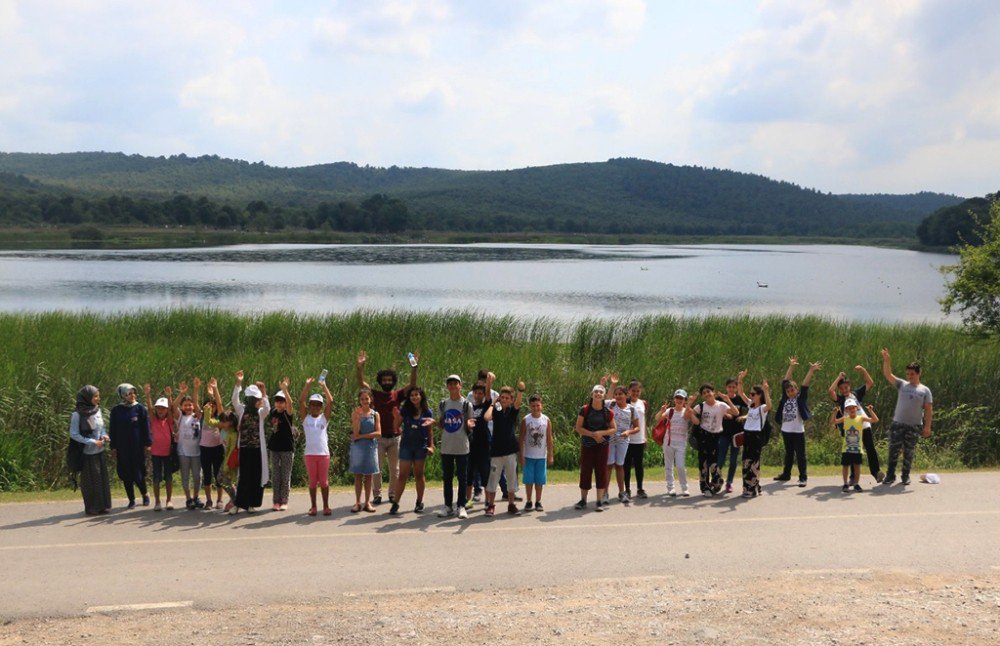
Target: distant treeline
x=618, y=196
x=957, y=224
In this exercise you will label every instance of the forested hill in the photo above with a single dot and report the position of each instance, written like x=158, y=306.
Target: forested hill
x=617, y=196
x=920, y=204
x=956, y=224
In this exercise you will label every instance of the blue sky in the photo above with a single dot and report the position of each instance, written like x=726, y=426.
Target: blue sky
x=840, y=95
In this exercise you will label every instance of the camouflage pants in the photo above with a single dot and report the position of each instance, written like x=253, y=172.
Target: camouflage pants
x=902, y=436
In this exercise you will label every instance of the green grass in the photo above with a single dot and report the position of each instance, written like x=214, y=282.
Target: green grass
x=47, y=357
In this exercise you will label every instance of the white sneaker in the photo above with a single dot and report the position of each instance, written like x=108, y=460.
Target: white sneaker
x=462, y=513
x=251, y=510
x=445, y=512
x=234, y=510
x=672, y=492
x=685, y=492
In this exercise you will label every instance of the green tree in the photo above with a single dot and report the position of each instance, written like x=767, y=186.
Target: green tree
x=975, y=288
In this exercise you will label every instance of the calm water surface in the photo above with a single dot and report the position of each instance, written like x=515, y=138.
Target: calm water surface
x=561, y=281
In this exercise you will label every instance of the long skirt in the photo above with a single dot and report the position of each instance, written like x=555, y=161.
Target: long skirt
x=94, y=483
x=249, y=492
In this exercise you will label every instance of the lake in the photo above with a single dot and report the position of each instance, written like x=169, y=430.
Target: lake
x=562, y=281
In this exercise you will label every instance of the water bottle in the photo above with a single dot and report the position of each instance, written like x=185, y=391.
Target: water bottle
x=322, y=376
x=412, y=359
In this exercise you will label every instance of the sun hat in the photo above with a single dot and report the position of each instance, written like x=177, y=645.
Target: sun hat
x=316, y=397
x=162, y=402
x=680, y=392
x=253, y=391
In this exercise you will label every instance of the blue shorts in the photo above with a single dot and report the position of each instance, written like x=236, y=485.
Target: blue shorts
x=617, y=453
x=534, y=471
x=412, y=452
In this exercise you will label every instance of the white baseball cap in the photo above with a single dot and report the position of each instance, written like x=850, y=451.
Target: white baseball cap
x=680, y=392
x=316, y=397
x=253, y=391
x=598, y=388
x=453, y=378
x=850, y=401
x=162, y=402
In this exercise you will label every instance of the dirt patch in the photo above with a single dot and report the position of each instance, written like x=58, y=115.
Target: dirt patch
x=856, y=607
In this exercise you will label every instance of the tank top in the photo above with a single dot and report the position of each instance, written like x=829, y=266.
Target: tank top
x=852, y=435
x=536, y=436
x=317, y=442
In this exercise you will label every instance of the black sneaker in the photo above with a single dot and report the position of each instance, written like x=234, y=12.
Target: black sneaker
x=599, y=506
x=391, y=500
x=394, y=509
x=580, y=505
x=905, y=481
x=857, y=487
x=845, y=488
x=888, y=480
x=131, y=504
x=529, y=506
x=641, y=494
x=189, y=504
x=782, y=478
x=377, y=500
x=145, y=501
x=802, y=483
x=538, y=506
x=419, y=508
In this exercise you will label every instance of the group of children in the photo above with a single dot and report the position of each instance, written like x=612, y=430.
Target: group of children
x=484, y=439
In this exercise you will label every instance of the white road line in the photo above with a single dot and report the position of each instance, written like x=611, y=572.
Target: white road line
x=368, y=593
x=821, y=571
x=473, y=527
x=141, y=606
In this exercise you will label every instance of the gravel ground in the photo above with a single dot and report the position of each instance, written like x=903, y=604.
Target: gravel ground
x=856, y=607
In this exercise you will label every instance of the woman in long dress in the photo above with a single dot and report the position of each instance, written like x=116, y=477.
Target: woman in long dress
x=86, y=426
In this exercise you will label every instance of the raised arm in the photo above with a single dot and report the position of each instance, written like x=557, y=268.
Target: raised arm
x=739, y=387
x=362, y=358
x=147, y=391
x=520, y=394
x=871, y=416
x=767, y=394
x=832, y=390
x=792, y=363
x=733, y=411
x=813, y=367
x=413, y=370
x=887, y=367
x=328, y=404
x=237, y=389
x=304, y=398
x=869, y=382
x=171, y=403
x=213, y=383
x=197, y=397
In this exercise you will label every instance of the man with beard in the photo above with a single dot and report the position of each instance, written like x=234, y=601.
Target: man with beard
x=386, y=399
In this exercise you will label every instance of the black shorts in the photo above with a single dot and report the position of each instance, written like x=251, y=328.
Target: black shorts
x=849, y=459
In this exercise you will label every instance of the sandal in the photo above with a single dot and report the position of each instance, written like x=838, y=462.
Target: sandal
x=327, y=511
x=312, y=511
x=369, y=508
x=356, y=508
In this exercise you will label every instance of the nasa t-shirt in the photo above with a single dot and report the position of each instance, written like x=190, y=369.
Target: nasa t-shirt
x=454, y=431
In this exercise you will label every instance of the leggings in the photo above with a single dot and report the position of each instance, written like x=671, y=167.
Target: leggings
x=318, y=468
x=868, y=439
x=191, y=468
x=795, y=448
x=633, y=458
x=452, y=466
x=752, y=445
x=211, y=462
x=281, y=475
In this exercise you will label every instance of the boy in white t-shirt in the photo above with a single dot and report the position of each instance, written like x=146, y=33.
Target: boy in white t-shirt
x=536, y=452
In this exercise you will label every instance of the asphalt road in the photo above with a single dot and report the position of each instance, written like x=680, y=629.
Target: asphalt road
x=57, y=561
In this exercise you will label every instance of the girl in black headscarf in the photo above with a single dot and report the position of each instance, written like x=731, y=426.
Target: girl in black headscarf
x=86, y=426
x=130, y=439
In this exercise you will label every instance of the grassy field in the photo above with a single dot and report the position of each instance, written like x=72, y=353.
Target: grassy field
x=154, y=238
x=47, y=357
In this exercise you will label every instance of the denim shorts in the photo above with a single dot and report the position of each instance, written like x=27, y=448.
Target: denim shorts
x=534, y=471
x=412, y=452
x=617, y=453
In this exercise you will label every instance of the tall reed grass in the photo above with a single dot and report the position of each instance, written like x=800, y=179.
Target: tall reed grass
x=48, y=356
